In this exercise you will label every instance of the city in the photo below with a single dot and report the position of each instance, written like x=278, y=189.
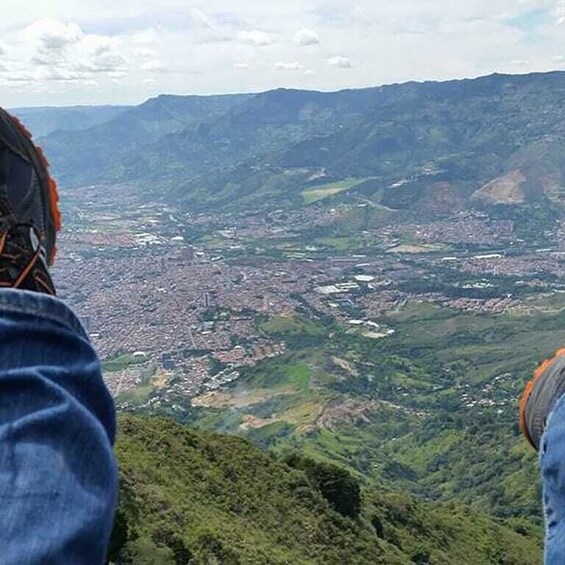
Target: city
x=181, y=315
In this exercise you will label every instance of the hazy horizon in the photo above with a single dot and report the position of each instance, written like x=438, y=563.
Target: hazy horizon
x=328, y=90
x=106, y=53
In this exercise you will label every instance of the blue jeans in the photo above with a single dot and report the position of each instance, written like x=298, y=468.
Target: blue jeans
x=58, y=475
x=552, y=461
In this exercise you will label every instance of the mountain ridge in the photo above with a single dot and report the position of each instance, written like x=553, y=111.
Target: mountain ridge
x=44, y=120
x=413, y=140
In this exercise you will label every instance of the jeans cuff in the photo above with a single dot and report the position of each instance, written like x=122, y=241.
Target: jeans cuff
x=40, y=305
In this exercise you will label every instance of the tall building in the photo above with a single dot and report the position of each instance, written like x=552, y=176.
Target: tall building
x=187, y=254
x=167, y=362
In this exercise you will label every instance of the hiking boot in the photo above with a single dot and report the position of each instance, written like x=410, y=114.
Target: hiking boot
x=29, y=213
x=540, y=396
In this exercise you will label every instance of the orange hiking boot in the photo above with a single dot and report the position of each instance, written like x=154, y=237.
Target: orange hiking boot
x=540, y=396
x=29, y=213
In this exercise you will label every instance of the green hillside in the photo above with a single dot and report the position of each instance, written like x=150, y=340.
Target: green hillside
x=431, y=410
x=99, y=152
x=203, y=498
x=493, y=143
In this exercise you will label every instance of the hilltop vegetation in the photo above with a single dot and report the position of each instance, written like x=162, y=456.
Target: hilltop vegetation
x=203, y=498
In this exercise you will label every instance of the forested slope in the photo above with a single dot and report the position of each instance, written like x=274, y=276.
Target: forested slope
x=194, y=497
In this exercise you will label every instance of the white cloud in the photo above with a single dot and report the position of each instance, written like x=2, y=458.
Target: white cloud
x=255, y=37
x=360, y=17
x=340, y=62
x=305, y=37
x=201, y=18
x=560, y=12
x=145, y=37
x=49, y=51
x=519, y=62
x=145, y=53
x=58, y=75
x=55, y=51
x=153, y=66
x=53, y=35
x=100, y=54
x=290, y=66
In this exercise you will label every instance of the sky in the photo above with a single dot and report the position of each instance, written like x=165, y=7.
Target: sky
x=59, y=52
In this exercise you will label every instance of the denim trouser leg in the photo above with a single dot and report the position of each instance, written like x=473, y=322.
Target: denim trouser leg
x=58, y=477
x=552, y=459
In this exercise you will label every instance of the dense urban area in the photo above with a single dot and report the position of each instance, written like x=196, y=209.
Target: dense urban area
x=178, y=302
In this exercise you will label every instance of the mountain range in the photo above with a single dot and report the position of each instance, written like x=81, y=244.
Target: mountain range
x=436, y=148
x=45, y=120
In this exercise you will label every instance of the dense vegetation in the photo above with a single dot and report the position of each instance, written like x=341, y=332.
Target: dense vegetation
x=431, y=410
x=202, y=498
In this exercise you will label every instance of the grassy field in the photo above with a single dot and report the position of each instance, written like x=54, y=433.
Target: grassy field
x=340, y=244
x=277, y=399
x=488, y=344
x=411, y=248
x=137, y=395
x=320, y=192
x=121, y=362
x=296, y=325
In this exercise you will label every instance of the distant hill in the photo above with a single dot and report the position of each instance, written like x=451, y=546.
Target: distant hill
x=99, y=153
x=43, y=121
x=495, y=142
x=197, y=497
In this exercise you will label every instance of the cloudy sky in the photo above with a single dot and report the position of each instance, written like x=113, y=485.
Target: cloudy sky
x=59, y=52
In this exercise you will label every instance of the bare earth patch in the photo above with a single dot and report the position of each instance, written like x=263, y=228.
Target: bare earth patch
x=252, y=422
x=238, y=399
x=341, y=411
x=507, y=189
x=346, y=366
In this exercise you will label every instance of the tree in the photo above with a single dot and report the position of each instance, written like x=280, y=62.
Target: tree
x=339, y=487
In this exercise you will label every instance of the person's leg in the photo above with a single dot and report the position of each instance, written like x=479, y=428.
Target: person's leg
x=58, y=478
x=542, y=419
x=552, y=461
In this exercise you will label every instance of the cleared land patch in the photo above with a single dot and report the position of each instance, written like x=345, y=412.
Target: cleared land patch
x=320, y=192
